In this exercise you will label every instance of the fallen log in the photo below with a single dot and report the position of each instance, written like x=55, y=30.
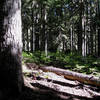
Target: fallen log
x=87, y=79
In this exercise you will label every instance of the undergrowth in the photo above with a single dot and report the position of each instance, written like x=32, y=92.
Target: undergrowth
x=71, y=61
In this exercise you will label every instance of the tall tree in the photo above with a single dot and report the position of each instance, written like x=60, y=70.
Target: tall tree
x=10, y=48
x=54, y=17
x=33, y=28
x=99, y=28
x=80, y=28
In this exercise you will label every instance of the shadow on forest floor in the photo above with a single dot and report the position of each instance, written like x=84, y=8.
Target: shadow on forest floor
x=30, y=94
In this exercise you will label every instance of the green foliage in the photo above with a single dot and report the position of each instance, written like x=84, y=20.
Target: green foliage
x=71, y=61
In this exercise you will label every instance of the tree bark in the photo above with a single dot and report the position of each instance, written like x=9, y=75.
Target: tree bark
x=37, y=41
x=33, y=31
x=98, y=28
x=80, y=29
x=91, y=30
x=10, y=48
x=27, y=33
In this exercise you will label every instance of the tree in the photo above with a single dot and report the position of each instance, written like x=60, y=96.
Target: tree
x=80, y=29
x=11, y=80
x=77, y=20
x=98, y=28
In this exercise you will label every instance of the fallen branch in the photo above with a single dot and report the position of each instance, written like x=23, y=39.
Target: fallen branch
x=87, y=79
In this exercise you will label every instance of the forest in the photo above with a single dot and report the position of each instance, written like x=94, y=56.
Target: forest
x=50, y=49
x=62, y=33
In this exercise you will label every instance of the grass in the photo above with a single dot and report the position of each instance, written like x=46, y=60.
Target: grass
x=74, y=62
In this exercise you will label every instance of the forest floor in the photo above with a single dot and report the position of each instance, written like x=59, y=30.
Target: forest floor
x=40, y=85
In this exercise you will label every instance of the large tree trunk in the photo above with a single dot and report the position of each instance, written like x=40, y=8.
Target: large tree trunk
x=11, y=79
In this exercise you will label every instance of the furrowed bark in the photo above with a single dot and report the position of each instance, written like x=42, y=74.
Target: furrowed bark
x=10, y=48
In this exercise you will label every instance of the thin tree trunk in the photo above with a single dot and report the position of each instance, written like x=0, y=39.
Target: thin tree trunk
x=27, y=32
x=33, y=31
x=23, y=36
x=84, y=38
x=99, y=28
x=46, y=34
x=71, y=37
x=91, y=30
x=80, y=29
x=37, y=41
x=99, y=42
x=42, y=32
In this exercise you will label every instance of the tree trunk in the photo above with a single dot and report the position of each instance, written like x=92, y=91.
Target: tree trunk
x=84, y=35
x=98, y=28
x=27, y=33
x=33, y=33
x=41, y=30
x=10, y=48
x=99, y=42
x=71, y=37
x=80, y=30
x=23, y=40
x=46, y=34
